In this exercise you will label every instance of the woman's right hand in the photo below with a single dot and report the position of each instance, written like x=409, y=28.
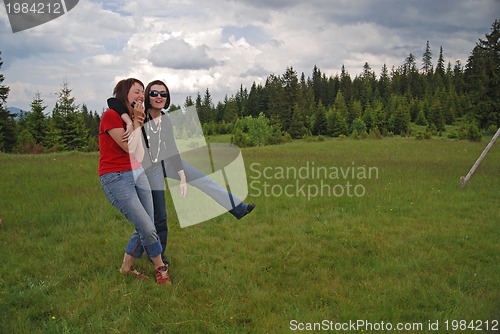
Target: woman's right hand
x=138, y=114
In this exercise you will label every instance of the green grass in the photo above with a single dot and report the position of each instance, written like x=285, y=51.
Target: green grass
x=416, y=247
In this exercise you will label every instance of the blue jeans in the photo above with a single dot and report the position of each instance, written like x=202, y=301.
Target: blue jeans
x=194, y=177
x=130, y=193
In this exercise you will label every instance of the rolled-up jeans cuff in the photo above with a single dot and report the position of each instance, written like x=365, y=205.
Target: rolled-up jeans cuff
x=135, y=249
x=154, y=249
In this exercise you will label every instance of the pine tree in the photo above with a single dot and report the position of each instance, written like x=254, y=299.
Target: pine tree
x=482, y=77
x=400, y=115
x=337, y=125
x=207, y=110
x=189, y=101
x=384, y=84
x=316, y=84
x=36, y=121
x=8, y=134
x=355, y=111
x=297, y=124
x=340, y=105
x=70, y=130
x=320, y=125
x=277, y=104
x=458, y=78
x=369, y=117
x=257, y=101
x=358, y=126
x=346, y=85
x=427, y=61
x=436, y=112
x=421, y=120
x=440, y=70
x=380, y=116
x=291, y=95
x=230, y=111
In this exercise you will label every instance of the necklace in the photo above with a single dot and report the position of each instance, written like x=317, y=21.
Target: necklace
x=157, y=131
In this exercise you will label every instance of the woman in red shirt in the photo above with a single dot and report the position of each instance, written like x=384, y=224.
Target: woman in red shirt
x=123, y=180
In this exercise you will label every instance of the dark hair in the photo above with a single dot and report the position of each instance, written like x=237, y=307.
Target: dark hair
x=123, y=87
x=147, y=97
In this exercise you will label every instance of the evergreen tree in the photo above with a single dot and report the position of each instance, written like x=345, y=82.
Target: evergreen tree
x=421, y=120
x=400, y=115
x=380, y=116
x=458, y=78
x=291, y=95
x=369, y=117
x=427, y=61
x=91, y=120
x=69, y=122
x=337, y=125
x=53, y=138
x=482, y=77
x=297, y=127
x=414, y=108
x=332, y=86
x=440, y=70
x=231, y=109
x=257, y=101
x=436, y=115
x=346, y=85
x=241, y=99
x=384, y=84
x=355, y=111
x=189, y=101
x=205, y=107
x=340, y=105
x=277, y=104
x=36, y=121
x=317, y=84
x=358, y=126
x=320, y=125
x=8, y=136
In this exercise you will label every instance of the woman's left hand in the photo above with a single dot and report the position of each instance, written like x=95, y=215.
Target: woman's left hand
x=183, y=184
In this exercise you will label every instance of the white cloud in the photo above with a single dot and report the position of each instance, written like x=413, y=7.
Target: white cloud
x=177, y=54
x=223, y=44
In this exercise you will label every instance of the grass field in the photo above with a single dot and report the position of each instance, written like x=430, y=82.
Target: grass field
x=409, y=247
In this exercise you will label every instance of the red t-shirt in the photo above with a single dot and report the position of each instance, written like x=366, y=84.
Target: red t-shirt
x=112, y=157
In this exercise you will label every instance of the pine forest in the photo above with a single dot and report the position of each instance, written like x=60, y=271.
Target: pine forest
x=420, y=98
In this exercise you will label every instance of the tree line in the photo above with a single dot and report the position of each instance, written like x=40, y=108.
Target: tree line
x=289, y=106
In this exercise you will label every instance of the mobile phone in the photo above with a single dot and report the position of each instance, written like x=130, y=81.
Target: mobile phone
x=133, y=104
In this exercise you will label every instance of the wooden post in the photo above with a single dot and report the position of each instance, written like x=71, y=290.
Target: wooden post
x=464, y=179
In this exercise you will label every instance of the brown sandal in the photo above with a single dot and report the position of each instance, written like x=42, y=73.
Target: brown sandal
x=137, y=274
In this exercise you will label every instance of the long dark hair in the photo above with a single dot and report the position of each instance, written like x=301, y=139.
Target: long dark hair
x=147, y=104
x=123, y=87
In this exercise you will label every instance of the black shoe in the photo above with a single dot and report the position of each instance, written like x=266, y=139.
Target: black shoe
x=248, y=209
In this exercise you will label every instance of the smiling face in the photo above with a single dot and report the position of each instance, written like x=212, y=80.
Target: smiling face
x=157, y=101
x=135, y=94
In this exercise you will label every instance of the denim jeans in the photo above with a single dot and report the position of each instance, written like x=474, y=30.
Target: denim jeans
x=195, y=178
x=157, y=182
x=130, y=193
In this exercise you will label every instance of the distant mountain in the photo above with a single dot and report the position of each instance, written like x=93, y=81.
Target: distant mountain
x=15, y=111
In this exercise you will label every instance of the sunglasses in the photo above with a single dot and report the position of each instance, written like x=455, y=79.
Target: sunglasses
x=155, y=93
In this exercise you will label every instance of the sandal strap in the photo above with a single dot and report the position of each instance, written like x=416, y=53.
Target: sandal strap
x=137, y=274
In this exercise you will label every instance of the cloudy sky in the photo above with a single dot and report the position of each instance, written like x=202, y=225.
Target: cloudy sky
x=222, y=44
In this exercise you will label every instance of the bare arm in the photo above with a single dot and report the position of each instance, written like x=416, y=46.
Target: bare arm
x=133, y=144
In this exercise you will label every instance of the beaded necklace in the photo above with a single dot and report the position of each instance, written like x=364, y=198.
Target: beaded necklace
x=150, y=130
